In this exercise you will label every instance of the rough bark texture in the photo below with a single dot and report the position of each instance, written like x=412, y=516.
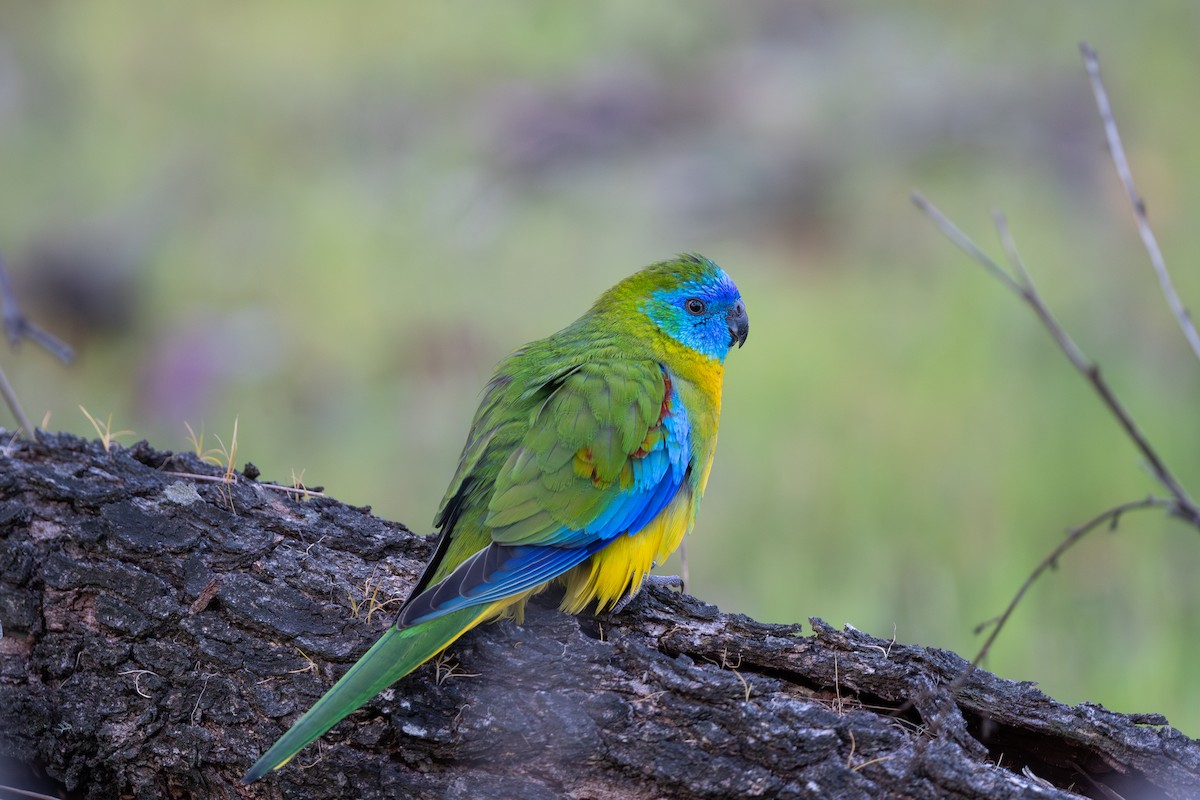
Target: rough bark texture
x=159, y=632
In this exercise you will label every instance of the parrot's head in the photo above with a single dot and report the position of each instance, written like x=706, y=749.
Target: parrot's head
x=694, y=302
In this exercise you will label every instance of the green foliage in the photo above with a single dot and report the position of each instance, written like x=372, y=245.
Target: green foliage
x=331, y=224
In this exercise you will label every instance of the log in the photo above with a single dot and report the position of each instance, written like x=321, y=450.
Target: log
x=161, y=630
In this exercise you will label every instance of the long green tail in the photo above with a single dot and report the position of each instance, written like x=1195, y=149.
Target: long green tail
x=397, y=653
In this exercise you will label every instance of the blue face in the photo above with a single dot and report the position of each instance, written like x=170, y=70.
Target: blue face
x=706, y=314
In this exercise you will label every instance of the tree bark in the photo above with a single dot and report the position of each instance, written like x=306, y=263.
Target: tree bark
x=160, y=631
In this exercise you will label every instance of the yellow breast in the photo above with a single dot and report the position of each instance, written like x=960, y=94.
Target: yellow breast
x=624, y=563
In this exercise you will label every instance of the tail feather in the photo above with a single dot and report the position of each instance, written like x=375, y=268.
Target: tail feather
x=398, y=652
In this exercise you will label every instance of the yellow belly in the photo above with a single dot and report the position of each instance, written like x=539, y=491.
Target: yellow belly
x=624, y=563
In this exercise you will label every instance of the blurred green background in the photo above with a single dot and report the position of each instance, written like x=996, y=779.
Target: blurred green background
x=331, y=220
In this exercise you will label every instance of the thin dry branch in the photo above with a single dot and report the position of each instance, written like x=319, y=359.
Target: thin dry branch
x=1092, y=62
x=1018, y=282
x=14, y=405
x=17, y=327
x=1111, y=516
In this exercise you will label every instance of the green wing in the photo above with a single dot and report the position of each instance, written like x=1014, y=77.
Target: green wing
x=601, y=456
x=578, y=458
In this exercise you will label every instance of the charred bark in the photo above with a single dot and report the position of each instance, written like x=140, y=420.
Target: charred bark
x=160, y=631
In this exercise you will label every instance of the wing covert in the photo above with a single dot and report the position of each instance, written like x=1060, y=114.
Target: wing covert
x=607, y=447
x=604, y=453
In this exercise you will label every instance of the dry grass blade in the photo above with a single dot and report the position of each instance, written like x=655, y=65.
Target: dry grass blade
x=104, y=431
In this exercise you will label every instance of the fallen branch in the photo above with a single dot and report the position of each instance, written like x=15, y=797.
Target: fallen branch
x=154, y=642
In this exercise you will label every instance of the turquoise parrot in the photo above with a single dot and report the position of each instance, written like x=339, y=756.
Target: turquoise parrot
x=584, y=466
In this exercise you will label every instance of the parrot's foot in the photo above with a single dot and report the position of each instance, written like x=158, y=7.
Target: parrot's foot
x=661, y=581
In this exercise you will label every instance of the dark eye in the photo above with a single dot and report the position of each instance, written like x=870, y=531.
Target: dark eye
x=694, y=306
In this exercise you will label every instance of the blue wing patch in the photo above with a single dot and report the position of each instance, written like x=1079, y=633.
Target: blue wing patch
x=496, y=572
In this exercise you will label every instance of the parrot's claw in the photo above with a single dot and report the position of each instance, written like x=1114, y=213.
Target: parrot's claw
x=660, y=581
x=664, y=582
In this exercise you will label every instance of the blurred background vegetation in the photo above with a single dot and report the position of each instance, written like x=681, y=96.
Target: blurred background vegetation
x=330, y=221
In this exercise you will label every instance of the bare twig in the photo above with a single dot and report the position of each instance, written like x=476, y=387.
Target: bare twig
x=1112, y=516
x=17, y=327
x=14, y=405
x=965, y=243
x=1092, y=62
x=1018, y=282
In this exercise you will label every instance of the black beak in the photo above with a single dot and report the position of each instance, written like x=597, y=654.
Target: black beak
x=739, y=324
